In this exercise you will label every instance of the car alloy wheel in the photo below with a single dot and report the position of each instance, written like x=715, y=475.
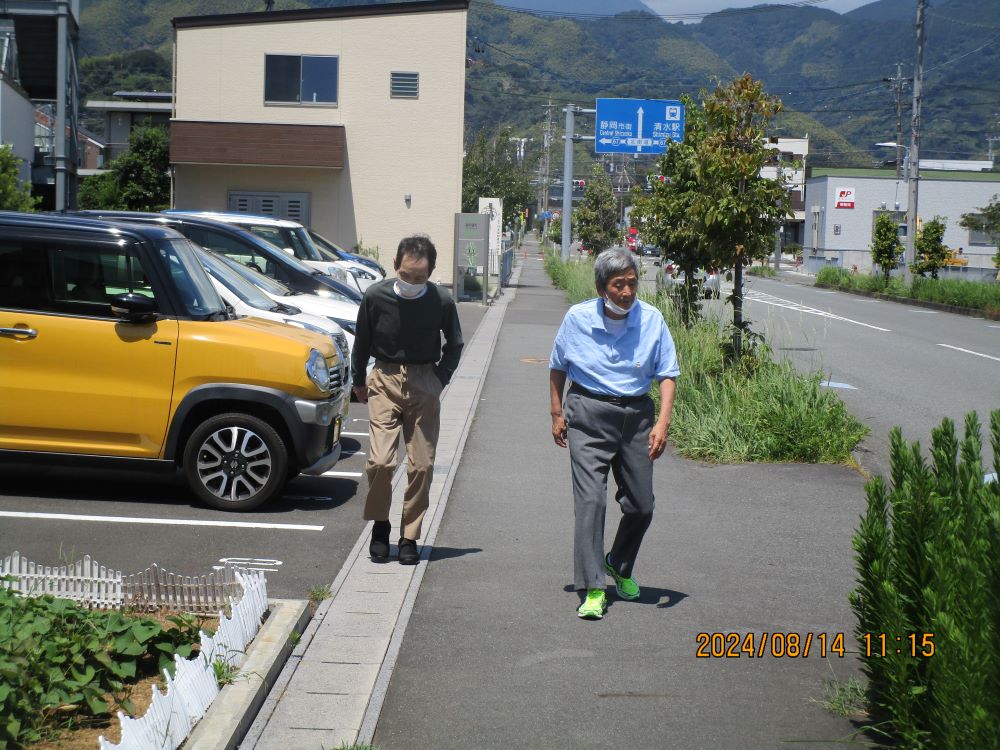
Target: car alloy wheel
x=235, y=462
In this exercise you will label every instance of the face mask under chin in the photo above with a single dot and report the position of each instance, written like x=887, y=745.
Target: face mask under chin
x=409, y=291
x=611, y=307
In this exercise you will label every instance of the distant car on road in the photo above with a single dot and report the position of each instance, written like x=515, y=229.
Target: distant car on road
x=651, y=251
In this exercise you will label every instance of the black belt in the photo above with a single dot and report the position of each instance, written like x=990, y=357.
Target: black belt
x=616, y=400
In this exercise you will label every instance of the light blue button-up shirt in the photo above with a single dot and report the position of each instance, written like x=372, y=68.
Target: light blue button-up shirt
x=614, y=364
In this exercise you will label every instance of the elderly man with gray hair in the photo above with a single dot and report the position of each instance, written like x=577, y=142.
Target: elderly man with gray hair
x=611, y=348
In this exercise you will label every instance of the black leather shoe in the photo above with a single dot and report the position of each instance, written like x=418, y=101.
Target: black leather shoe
x=379, y=547
x=408, y=554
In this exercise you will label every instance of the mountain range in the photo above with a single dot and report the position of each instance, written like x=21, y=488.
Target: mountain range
x=830, y=69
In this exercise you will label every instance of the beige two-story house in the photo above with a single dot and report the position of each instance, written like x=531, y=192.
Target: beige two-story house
x=348, y=119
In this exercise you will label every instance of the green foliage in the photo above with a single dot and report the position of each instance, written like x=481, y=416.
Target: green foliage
x=135, y=70
x=596, y=218
x=14, y=194
x=555, y=231
x=885, y=244
x=987, y=219
x=138, y=179
x=63, y=664
x=368, y=251
x=930, y=249
x=976, y=295
x=763, y=271
x=490, y=170
x=758, y=410
x=928, y=558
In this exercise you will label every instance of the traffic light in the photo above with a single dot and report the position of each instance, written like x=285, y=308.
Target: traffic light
x=579, y=185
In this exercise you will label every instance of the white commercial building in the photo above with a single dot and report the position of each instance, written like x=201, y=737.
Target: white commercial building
x=841, y=206
x=349, y=119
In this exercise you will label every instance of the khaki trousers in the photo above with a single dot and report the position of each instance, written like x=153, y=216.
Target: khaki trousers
x=407, y=398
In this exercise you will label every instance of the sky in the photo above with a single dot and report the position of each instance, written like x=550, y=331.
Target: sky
x=666, y=7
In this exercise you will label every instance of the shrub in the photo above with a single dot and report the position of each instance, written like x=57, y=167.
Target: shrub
x=765, y=271
x=928, y=559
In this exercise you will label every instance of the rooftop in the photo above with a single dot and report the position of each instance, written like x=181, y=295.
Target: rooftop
x=889, y=174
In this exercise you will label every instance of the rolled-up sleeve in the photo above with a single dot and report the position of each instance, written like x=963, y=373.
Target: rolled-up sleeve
x=667, y=365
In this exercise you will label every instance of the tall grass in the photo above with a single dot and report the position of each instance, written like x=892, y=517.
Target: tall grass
x=759, y=411
x=977, y=295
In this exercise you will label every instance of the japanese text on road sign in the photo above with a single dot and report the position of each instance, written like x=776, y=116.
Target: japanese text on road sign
x=637, y=126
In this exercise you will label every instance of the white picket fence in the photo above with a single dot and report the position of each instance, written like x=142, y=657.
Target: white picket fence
x=95, y=585
x=171, y=714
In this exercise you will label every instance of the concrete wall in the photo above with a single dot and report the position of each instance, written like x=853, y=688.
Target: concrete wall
x=946, y=198
x=17, y=126
x=394, y=146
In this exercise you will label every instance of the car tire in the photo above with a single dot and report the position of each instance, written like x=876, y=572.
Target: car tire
x=235, y=461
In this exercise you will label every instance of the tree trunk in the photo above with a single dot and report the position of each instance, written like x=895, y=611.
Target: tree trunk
x=738, y=310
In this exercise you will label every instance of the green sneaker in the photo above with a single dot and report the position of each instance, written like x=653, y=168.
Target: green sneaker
x=626, y=588
x=594, y=605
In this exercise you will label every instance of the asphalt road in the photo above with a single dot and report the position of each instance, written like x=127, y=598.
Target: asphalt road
x=128, y=520
x=892, y=364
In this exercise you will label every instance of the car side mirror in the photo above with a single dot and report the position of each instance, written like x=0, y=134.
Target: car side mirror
x=289, y=251
x=133, y=308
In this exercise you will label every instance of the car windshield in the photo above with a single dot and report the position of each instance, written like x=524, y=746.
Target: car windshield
x=196, y=290
x=294, y=238
x=328, y=249
x=273, y=286
x=235, y=283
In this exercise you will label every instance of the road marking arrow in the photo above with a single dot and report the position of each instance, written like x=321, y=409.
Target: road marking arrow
x=639, y=134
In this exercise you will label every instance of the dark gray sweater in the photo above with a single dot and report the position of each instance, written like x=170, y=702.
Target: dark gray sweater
x=407, y=331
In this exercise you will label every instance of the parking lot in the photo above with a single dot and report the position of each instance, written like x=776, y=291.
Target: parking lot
x=129, y=520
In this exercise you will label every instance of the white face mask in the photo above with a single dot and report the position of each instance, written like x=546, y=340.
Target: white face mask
x=610, y=306
x=409, y=291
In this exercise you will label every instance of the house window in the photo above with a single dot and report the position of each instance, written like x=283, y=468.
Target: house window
x=981, y=238
x=300, y=79
x=404, y=85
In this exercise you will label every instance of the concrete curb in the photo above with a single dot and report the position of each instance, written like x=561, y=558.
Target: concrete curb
x=232, y=712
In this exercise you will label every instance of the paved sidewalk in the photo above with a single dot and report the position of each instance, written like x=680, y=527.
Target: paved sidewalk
x=494, y=655
x=490, y=654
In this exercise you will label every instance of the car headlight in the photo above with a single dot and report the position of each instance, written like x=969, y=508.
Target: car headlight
x=345, y=323
x=317, y=370
x=361, y=273
x=307, y=326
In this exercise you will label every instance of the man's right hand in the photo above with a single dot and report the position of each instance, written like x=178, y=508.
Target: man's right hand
x=361, y=393
x=559, y=430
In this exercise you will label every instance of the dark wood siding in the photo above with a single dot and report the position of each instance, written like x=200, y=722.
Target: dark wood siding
x=256, y=144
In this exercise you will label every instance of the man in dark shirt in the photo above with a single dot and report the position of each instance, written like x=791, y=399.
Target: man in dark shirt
x=400, y=323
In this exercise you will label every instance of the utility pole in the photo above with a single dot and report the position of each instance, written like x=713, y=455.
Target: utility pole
x=914, y=160
x=545, y=167
x=567, y=206
x=899, y=83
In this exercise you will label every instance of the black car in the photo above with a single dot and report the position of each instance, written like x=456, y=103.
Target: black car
x=651, y=251
x=243, y=247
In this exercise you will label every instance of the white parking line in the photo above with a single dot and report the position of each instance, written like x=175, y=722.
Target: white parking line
x=969, y=351
x=342, y=474
x=925, y=312
x=161, y=521
x=355, y=434
x=770, y=299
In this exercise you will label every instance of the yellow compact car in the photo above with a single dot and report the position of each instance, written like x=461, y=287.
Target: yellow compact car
x=115, y=345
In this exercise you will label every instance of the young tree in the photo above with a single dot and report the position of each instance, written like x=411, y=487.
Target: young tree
x=930, y=250
x=596, y=218
x=139, y=179
x=738, y=211
x=885, y=244
x=14, y=194
x=666, y=213
x=490, y=170
x=986, y=220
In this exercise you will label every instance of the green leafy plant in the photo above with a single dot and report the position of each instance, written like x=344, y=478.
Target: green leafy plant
x=15, y=195
x=930, y=248
x=763, y=271
x=61, y=663
x=927, y=552
x=885, y=244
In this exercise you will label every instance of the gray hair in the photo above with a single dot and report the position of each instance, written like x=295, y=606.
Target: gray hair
x=613, y=262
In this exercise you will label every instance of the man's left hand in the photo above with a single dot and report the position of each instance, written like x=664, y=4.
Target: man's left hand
x=658, y=440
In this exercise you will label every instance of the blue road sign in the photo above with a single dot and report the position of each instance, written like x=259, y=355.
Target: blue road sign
x=637, y=126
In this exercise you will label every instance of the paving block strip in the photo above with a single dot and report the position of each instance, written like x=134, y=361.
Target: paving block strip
x=229, y=717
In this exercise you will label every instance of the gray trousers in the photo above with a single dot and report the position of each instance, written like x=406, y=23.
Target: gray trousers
x=605, y=436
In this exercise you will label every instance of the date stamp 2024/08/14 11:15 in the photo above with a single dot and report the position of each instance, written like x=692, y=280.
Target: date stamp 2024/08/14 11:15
x=800, y=645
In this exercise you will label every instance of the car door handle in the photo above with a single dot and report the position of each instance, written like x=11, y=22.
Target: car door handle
x=26, y=333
